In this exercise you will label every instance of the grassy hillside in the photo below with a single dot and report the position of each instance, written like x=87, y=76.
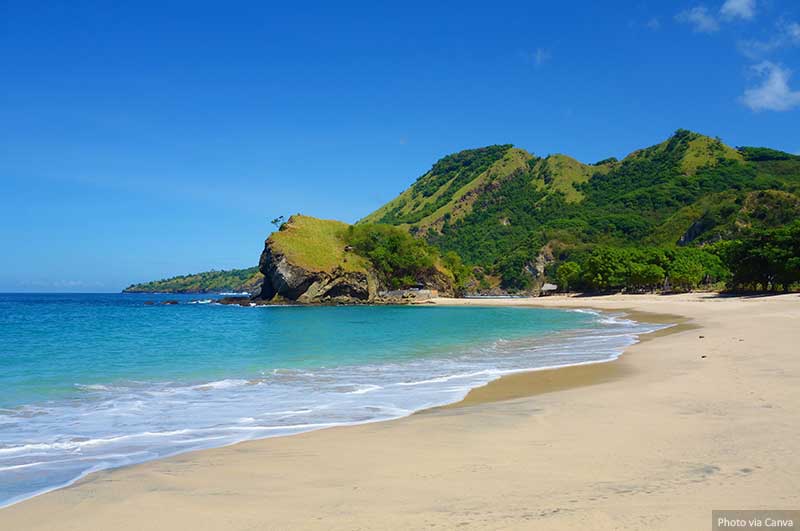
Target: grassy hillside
x=564, y=175
x=450, y=187
x=519, y=219
x=316, y=245
x=398, y=259
x=688, y=190
x=234, y=280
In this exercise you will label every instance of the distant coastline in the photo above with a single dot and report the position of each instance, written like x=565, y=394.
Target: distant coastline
x=222, y=282
x=189, y=292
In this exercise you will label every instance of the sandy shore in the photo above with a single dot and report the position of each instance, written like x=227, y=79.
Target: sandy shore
x=705, y=417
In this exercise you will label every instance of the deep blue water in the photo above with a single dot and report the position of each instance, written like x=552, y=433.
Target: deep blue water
x=95, y=381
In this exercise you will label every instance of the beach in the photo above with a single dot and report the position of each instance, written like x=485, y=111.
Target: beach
x=700, y=416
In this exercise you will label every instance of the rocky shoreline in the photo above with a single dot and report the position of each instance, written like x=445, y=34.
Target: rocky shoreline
x=410, y=296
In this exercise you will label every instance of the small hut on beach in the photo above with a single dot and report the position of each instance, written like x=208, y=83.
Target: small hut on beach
x=547, y=289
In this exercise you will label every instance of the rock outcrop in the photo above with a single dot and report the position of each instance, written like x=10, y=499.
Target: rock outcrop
x=308, y=261
x=286, y=280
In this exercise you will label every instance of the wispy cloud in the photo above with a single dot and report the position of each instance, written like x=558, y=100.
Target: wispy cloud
x=773, y=93
x=700, y=18
x=703, y=20
x=536, y=58
x=786, y=34
x=793, y=30
x=653, y=24
x=540, y=56
x=744, y=9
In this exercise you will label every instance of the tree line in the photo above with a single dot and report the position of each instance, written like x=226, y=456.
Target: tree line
x=759, y=260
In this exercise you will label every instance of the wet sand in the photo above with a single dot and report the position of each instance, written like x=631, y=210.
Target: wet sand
x=679, y=425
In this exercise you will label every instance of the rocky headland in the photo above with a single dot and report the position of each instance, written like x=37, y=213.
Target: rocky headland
x=309, y=261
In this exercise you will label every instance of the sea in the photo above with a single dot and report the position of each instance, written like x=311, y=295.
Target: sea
x=97, y=381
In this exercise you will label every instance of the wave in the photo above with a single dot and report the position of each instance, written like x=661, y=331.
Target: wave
x=364, y=389
x=221, y=384
x=92, y=387
x=56, y=443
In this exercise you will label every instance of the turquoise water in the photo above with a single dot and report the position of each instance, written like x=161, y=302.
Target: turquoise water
x=96, y=381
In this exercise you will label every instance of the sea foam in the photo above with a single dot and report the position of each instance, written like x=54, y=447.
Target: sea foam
x=56, y=442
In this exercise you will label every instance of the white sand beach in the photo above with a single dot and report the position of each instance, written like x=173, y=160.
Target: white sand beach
x=703, y=417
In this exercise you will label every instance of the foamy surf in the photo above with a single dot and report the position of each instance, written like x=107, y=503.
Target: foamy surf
x=54, y=442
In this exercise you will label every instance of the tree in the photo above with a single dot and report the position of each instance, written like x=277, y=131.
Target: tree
x=686, y=272
x=399, y=258
x=645, y=276
x=278, y=222
x=568, y=275
x=765, y=259
x=461, y=273
x=606, y=268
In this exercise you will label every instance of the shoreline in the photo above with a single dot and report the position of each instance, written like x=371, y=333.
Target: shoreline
x=588, y=466
x=533, y=382
x=536, y=380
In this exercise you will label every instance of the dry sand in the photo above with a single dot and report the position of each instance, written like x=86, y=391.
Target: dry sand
x=655, y=440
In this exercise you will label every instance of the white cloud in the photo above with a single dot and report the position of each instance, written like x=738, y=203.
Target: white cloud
x=774, y=93
x=793, y=30
x=755, y=49
x=653, y=23
x=536, y=58
x=744, y=9
x=699, y=18
x=787, y=34
x=540, y=56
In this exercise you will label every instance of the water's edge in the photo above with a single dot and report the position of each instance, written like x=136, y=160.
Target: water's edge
x=492, y=376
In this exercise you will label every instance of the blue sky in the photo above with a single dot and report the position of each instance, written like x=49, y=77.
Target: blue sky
x=145, y=140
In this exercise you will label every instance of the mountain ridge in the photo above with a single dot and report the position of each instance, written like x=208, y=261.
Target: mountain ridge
x=515, y=214
x=514, y=217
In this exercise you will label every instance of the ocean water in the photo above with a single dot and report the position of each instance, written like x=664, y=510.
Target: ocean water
x=89, y=382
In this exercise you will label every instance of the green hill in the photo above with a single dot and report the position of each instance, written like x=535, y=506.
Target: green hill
x=316, y=245
x=518, y=216
x=234, y=280
x=682, y=212
x=310, y=260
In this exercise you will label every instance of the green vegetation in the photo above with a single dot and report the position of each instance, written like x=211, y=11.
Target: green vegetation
x=764, y=154
x=684, y=213
x=564, y=175
x=316, y=245
x=641, y=269
x=445, y=185
x=399, y=259
x=327, y=246
x=648, y=214
x=568, y=275
x=764, y=259
x=234, y=280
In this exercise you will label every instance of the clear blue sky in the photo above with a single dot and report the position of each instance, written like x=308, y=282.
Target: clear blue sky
x=159, y=138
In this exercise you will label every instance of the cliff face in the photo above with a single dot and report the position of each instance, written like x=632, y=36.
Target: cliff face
x=308, y=261
x=284, y=279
